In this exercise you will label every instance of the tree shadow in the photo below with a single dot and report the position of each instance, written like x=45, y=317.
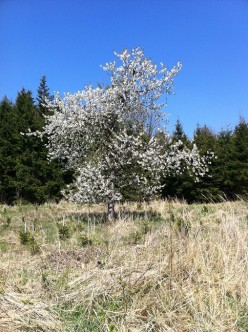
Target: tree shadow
x=102, y=217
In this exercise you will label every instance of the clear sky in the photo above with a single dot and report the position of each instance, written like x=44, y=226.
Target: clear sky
x=68, y=40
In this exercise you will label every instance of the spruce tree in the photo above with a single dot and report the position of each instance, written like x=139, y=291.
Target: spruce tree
x=25, y=172
x=8, y=141
x=240, y=156
x=179, y=134
x=38, y=180
x=43, y=95
x=206, y=189
x=28, y=186
x=179, y=186
x=204, y=138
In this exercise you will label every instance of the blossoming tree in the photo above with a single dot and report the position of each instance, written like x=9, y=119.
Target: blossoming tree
x=104, y=134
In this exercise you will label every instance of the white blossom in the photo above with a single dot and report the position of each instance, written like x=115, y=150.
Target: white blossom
x=104, y=135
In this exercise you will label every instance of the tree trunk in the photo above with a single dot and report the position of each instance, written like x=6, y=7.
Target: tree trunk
x=111, y=210
x=111, y=203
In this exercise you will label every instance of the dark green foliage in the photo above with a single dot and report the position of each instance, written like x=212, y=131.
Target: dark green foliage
x=179, y=134
x=222, y=174
x=230, y=169
x=27, y=176
x=228, y=173
x=64, y=232
x=179, y=186
x=240, y=167
x=25, y=173
x=42, y=93
x=42, y=96
x=206, y=189
x=8, y=140
x=25, y=237
x=28, y=239
x=205, y=139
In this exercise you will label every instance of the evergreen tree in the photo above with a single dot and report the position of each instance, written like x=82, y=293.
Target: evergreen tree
x=223, y=164
x=179, y=134
x=8, y=140
x=179, y=186
x=26, y=174
x=205, y=139
x=240, y=168
x=37, y=179
x=228, y=173
x=28, y=167
x=206, y=189
x=43, y=95
x=232, y=162
x=26, y=113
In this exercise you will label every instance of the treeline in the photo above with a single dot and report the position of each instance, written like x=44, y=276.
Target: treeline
x=26, y=175
x=228, y=173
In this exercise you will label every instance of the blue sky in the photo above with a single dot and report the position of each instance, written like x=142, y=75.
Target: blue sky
x=68, y=41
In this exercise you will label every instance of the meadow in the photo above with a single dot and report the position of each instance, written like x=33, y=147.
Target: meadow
x=162, y=266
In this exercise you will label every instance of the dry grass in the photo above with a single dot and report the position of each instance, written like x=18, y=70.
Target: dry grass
x=159, y=267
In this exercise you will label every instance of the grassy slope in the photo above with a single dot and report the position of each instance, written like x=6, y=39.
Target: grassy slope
x=159, y=267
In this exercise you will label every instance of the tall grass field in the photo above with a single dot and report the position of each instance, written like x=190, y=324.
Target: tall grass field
x=163, y=266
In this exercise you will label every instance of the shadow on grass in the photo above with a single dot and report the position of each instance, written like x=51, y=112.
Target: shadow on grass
x=102, y=217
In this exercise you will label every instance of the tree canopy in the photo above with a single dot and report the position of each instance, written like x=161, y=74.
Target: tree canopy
x=112, y=140
x=104, y=133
